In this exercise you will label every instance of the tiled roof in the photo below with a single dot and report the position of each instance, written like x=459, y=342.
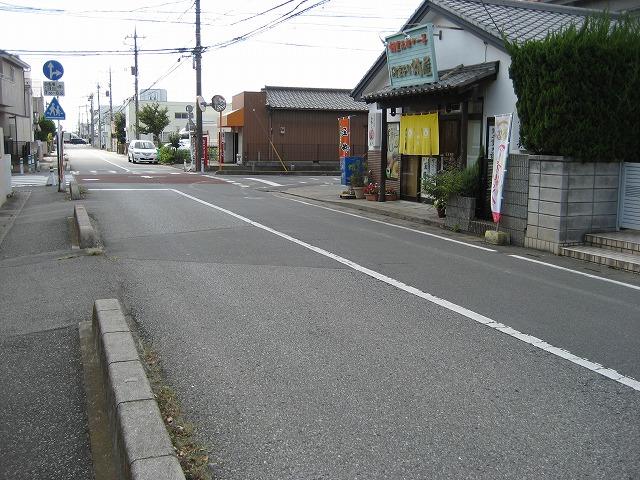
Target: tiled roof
x=518, y=20
x=292, y=98
x=452, y=79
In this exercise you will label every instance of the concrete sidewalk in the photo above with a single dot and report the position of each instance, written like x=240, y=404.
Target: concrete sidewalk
x=400, y=209
x=47, y=289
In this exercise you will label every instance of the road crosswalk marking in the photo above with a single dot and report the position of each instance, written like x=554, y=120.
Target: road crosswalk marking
x=19, y=181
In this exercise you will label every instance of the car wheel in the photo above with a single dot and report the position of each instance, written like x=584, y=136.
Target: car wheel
x=129, y=158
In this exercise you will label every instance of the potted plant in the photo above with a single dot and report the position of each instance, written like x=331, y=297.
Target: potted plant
x=371, y=192
x=357, y=179
x=436, y=188
x=390, y=194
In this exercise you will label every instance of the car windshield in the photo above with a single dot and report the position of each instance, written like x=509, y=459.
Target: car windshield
x=146, y=145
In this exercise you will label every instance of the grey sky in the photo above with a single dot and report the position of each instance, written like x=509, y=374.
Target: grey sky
x=330, y=45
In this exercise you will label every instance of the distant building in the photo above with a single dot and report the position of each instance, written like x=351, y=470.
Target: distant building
x=178, y=117
x=291, y=124
x=16, y=118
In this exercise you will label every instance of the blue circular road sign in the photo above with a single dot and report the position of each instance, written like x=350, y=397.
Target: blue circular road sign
x=53, y=70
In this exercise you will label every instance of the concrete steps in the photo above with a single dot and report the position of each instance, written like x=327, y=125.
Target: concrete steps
x=619, y=250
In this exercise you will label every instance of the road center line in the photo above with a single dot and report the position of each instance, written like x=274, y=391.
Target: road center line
x=486, y=321
x=577, y=272
x=447, y=239
x=116, y=165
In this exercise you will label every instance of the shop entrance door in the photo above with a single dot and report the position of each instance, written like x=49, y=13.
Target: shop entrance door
x=409, y=177
x=450, y=137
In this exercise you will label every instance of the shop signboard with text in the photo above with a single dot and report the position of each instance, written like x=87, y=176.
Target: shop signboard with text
x=411, y=57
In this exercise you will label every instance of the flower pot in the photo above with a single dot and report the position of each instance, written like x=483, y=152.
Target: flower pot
x=358, y=192
x=372, y=197
x=390, y=197
x=441, y=212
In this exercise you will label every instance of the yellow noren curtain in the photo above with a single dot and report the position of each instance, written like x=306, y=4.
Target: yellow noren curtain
x=419, y=135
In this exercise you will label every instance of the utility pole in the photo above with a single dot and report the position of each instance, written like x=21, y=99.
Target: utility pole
x=99, y=121
x=134, y=71
x=110, y=113
x=86, y=118
x=92, y=130
x=198, y=57
x=79, y=120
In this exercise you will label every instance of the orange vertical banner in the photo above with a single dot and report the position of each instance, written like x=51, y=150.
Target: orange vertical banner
x=344, y=137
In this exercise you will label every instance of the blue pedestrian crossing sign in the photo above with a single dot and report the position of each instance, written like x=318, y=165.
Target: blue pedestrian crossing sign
x=54, y=111
x=53, y=70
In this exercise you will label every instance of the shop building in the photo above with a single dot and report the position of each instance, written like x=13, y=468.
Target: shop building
x=446, y=76
x=291, y=125
x=467, y=85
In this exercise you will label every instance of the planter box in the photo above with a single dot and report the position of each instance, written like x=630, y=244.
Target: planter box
x=372, y=197
x=460, y=212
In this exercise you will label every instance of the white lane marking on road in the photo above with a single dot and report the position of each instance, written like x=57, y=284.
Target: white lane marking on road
x=145, y=176
x=577, y=272
x=93, y=171
x=180, y=173
x=268, y=182
x=302, y=182
x=477, y=317
x=90, y=179
x=112, y=171
x=447, y=239
x=116, y=165
x=130, y=189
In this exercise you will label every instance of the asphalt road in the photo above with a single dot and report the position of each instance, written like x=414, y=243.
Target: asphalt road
x=309, y=343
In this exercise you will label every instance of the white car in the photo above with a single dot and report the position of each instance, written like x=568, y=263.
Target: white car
x=142, y=151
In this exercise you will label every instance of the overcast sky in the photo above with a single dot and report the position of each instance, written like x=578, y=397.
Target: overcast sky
x=332, y=44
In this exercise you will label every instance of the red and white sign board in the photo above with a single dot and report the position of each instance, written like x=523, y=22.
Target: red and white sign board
x=500, y=156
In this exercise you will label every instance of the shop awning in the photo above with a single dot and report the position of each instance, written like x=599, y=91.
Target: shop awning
x=451, y=81
x=234, y=118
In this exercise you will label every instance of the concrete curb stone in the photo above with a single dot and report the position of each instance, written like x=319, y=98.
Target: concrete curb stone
x=86, y=234
x=141, y=442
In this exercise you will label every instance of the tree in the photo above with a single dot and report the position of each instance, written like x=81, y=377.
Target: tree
x=154, y=120
x=174, y=140
x=120, y=123
x=46, y=127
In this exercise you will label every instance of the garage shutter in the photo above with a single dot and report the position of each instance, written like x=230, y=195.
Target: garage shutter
x=630, y=211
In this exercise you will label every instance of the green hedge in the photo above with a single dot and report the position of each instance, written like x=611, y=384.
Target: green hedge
x=169, y=155
x=579, y=90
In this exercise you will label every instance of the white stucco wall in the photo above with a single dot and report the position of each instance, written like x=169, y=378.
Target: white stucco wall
x=459, y=46
x=5, y=173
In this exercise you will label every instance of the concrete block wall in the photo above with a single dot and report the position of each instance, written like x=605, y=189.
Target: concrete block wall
x=515, y=198
x=569, y=198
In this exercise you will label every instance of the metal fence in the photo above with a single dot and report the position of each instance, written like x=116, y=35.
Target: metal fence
x=303, y=152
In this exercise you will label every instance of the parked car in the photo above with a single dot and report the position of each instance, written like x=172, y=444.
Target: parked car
x=142, y=151
x=185, y=144
x=78, y=141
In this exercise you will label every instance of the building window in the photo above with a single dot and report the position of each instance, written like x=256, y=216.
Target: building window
x=181, y=115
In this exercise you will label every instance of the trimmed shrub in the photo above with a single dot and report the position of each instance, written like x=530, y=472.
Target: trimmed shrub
x=166, y=155
x=579, y=90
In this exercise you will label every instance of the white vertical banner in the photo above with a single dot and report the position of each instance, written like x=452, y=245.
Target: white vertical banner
x=375, y=127
x=502, y=133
